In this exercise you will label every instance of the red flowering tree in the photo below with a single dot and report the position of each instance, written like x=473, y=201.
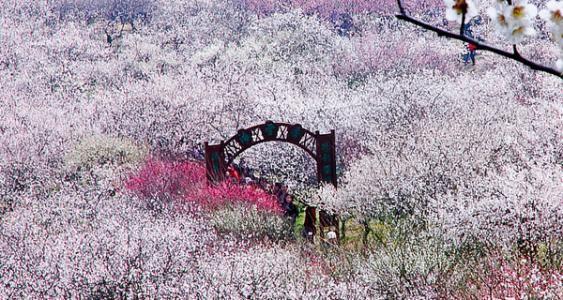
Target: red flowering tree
x=186, y=181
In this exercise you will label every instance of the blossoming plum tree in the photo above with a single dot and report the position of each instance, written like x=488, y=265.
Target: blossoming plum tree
x=473, y=154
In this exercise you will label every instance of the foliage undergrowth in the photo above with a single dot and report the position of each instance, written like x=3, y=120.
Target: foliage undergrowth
x=248, y=222
x=103, y=150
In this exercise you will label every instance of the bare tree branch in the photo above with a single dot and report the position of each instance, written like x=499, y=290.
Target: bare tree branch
x=515, y=55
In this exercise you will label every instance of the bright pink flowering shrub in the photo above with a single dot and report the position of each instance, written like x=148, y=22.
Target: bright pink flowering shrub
x=186, y=181
x=160, y=179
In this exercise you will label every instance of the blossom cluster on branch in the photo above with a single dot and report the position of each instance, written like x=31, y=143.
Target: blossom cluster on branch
x=514, y=21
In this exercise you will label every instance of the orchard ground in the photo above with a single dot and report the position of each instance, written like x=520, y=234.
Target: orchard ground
x=450, y=178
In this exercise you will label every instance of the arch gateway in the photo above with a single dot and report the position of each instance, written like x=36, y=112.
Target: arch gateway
x=321, y=147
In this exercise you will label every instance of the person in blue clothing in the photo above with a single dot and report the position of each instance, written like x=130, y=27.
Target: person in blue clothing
x=467, y=28
x=470, y=55
x=468, y=32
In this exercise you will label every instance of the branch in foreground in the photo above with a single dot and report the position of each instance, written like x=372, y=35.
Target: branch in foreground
x=480, y=45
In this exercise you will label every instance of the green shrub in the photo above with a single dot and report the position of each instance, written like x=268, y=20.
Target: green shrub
x=550, y=255
x=246, y=221
x=103, y=150
x=377, y=232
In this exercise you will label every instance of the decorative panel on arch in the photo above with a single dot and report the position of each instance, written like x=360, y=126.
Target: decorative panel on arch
x=270, y=131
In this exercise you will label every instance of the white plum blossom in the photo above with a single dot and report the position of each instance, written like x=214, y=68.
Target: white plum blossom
x=455, y=9
x=209, y=53
x=553, y=15
x=559, y=64
x=514, y=22
x=329, y=199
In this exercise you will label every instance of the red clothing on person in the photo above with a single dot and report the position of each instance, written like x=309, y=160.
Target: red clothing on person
x=233, y=173
x=472, y=47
